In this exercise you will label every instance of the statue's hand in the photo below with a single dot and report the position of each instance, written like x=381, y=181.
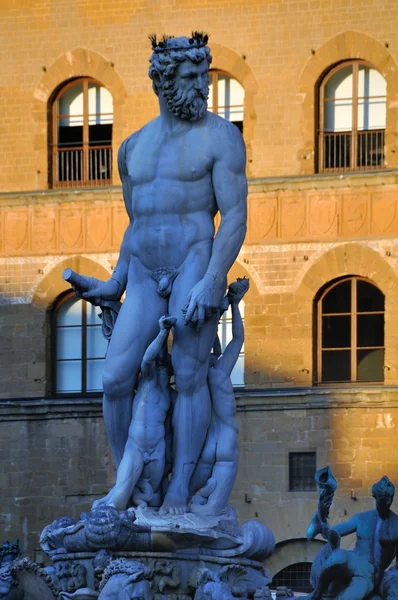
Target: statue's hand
x=204, y=299
x=93, y=289
x=167, y=322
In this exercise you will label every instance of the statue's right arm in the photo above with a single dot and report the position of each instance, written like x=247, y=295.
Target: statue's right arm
x=148, y=363
x=347, y=527
x=121, y=270
x=114, y=288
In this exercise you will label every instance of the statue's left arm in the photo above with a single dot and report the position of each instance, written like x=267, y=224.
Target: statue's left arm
x=347, y=527
x=230, y=189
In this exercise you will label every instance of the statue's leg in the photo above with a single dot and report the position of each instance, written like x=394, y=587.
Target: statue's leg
x=128, y=474
x=135, y=328
x=358, y=589
x=205, y=464
x=225, y=469
x=190, y=355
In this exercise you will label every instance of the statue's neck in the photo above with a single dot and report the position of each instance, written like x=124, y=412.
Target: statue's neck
x=170, y=122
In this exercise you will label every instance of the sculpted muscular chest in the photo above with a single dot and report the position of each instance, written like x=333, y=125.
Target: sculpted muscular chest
x=172, y=198
x=171, y=173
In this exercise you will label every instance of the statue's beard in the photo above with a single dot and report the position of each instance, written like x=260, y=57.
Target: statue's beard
x=190, y=106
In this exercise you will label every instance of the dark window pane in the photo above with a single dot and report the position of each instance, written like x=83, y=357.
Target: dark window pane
x=370, y=365
x=70, y=136
x=336, y=332
x=239, y=125
x=369, y=298
x=296, y=577
x=370, y=330
x=302, y=467
x=100, y=135
x=336, y=366
x=338, y=300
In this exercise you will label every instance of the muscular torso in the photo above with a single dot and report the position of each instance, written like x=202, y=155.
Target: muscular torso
x=172, y=199
x=149, y=414
x=222, y=395
x=370, y=533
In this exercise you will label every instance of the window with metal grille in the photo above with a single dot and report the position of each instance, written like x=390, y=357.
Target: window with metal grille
x=350, y=336
x=302, y=468
x=226, y=97
x=352, y=118
x=78, y=347
x=296, y=577
x=81, y=135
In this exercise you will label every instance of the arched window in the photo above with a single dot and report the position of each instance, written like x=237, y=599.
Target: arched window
x=350, y=332
x=352, y=118
x=295, y=577
x=225, y=335
x=226, y=98
x=78, y=346
x=81, y=135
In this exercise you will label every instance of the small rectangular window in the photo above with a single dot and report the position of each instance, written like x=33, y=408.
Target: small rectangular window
x=302, y=468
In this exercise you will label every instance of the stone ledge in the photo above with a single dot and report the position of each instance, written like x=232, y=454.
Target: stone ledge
x=378, y=397
x=319, y=181
x=256, y=185
x=317, y=398
x=58, y=195
x=49, y=408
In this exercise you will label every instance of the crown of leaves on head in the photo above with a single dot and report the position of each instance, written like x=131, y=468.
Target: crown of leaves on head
x=8, y=549
x=198, y=39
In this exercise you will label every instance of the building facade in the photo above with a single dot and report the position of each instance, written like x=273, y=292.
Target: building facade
x=313, y=86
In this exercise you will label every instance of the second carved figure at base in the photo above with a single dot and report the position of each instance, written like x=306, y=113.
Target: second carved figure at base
x=143, y=459
x=216, y=471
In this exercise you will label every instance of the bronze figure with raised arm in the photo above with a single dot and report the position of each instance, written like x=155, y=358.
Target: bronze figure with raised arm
x=177, y=172
x=356, y=574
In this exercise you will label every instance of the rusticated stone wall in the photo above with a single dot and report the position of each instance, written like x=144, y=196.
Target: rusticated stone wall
x=277, y=50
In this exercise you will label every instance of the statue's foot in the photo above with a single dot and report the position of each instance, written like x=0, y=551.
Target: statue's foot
x=111, y=499
x=173, y=504
x=198, y=499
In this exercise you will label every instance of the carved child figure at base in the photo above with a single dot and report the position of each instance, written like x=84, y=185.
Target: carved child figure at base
x=216, y=471
x=144, y=453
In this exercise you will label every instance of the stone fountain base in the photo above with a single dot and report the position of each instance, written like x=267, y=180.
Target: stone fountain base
x=159, y=557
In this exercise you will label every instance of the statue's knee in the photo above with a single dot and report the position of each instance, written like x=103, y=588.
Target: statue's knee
x=115, y=387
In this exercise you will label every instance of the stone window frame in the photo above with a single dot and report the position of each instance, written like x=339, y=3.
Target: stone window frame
x=348, y=45
x=59, y=301
x=77, y=62
x=235, y=66
x=353, y=347
x=352, y=135
x=213, y=77
x=83, y=161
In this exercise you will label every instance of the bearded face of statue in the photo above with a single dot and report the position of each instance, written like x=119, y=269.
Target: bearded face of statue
x=186, y=94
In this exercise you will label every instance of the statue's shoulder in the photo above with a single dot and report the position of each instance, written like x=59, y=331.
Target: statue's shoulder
x=128, y=145
x=221, y=127
x=226, y=139
x=365, y=515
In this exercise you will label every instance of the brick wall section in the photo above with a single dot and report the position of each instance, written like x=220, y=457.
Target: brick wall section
x=276, y=40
